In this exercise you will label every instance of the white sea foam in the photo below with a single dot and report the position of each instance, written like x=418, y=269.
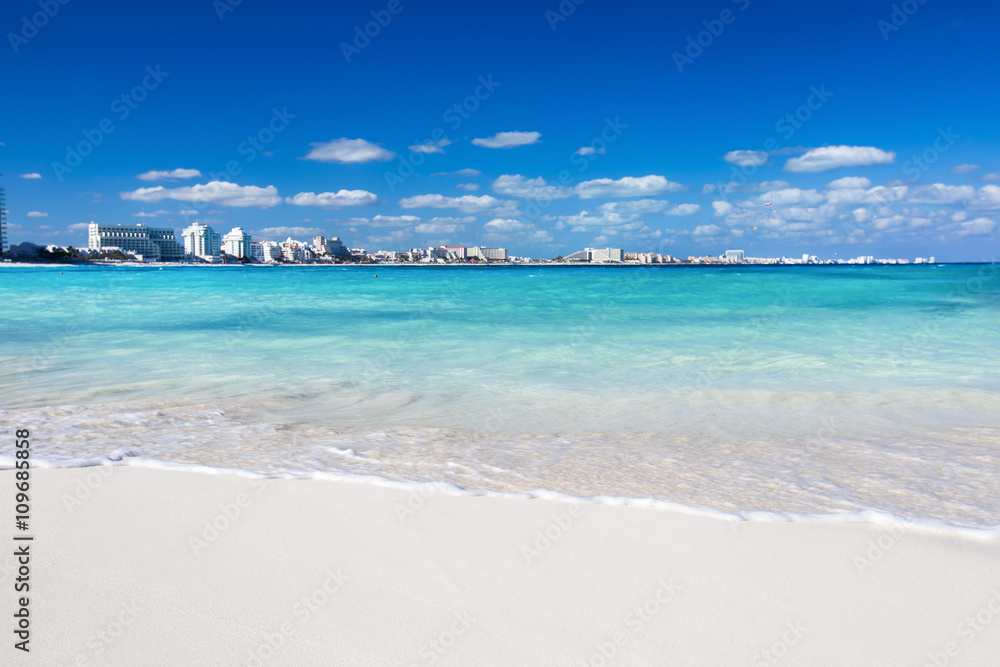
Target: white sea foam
x=864, y=516
x=950, y=476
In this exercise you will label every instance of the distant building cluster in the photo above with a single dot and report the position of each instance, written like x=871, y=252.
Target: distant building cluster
x=201, y=243
x=738, y=257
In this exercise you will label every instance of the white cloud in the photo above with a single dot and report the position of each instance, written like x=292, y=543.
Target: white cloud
x=187, y=212
x=78, y=227
x=538, y=236
x=791, y=197
x=732, y=187
x=707, y=230
x=987, y=197
x=388, y=220
x=32, y=175
x=965, y=168
x=468, y=173
x=506, y=225
x=169, y=175
x=634, y=231
x=348, y=151
x=849, y=182
x=939, y=193
x=683, y=209
x=636, y=206
x=832, y=157
x=286, y=232
x=990, y=177
x=218, y=192
x=722, y=207
x=338, y=199
x=385, y=221
x=629, y=186
x=36, y=214
x=468, y=187
x=590, y=150
x=707, y=189
x=879, y=195
x=465, y=203
x=447, y=220
x=515, y=185
x=143, y=214
x=746, y=158
x=397, y=236
x=611, y=214
x=977, y=226
x=431, y=146
x=508, y=139
x=437, y=228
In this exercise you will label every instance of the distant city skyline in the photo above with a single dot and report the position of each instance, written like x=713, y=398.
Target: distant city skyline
x=523, y=125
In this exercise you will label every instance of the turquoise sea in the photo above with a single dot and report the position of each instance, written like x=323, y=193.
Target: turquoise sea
x=800, y=390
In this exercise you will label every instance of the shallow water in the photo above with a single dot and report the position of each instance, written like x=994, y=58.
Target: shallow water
x=791, y=389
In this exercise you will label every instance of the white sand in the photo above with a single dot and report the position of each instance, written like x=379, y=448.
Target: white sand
x=335, y=574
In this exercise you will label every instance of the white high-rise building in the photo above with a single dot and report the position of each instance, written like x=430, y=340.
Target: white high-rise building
x=202, y=242
x=237, y=243
x=293, y=251
x=487, y=253
x=336, y=248
x=153, y=243
x=266, y=251
x=734, y=256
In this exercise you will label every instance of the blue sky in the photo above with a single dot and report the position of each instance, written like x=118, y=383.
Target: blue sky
x=869, y=126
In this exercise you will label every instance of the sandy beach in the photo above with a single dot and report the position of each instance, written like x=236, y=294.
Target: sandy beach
x=134, y=565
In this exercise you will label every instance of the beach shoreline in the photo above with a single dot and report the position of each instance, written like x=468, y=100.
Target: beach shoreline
x=136, y=565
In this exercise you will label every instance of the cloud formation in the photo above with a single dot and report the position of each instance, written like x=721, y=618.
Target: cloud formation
x=431, y=146
x=338, y=199
x=746, y=158
x=169, y=175
x=467, y=173
x=628, y=186
x=506, y=225
x=348, y=151
x=508, y=139
x=833, y=157
x=438, y=228
x=515, y=185
x=32, y=175
x=288, y=232
x=849, y=182
x=465, y=203
x=222, y=193
x=965, y=168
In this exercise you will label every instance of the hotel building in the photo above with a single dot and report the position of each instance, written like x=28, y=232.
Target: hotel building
x=237, y=243
x=496, y=254
x=596, y=255
x=152, y=243
x=202, y=241
x=265, y=251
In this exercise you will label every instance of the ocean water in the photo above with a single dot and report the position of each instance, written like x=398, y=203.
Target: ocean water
x=787, y=390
